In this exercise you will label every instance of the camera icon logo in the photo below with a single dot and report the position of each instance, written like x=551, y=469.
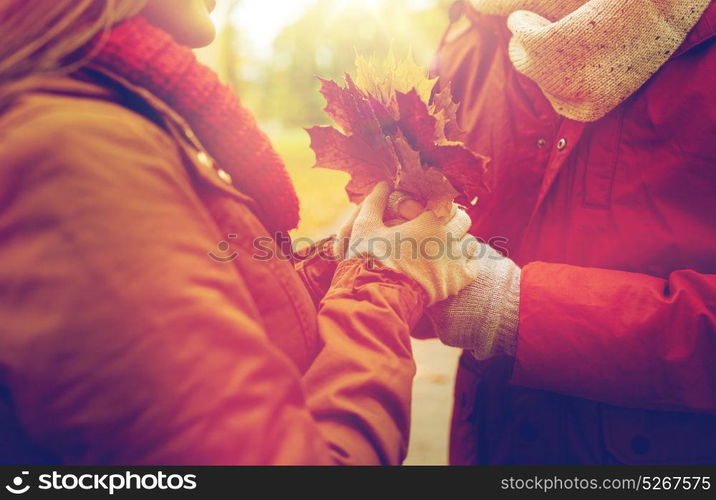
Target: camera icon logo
x=16, y=487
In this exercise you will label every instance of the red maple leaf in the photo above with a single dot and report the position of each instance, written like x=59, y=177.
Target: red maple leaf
x=416, y=122
x=464, y=169
x=404, y=140
x=366, y=165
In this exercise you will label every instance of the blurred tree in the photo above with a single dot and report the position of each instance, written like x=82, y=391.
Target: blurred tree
x=225, y=54
x=324, y=42
x=229, y=47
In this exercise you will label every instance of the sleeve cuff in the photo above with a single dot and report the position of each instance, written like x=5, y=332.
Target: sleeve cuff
x=483, y=318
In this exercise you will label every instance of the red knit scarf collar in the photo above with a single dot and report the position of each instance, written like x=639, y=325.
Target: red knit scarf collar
x=150, y=58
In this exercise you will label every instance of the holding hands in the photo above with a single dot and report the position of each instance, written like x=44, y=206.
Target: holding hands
x=437, y=253
x=473, y=290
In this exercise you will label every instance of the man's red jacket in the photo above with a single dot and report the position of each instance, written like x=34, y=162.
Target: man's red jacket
x=615, y=225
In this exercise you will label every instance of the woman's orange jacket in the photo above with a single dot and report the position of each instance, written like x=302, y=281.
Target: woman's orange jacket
x=130, y=335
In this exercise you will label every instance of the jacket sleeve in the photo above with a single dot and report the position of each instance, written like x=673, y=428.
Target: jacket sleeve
x=626, y=339
x=316, y=267
x=360, y=385
x=356, y=301
x=122, y=343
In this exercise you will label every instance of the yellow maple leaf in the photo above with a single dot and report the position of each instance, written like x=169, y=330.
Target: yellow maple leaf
x=382, y=79
x=444, y=109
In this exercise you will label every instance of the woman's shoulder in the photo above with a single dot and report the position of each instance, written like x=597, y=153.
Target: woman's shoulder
x=68, y=140
x=62, y=115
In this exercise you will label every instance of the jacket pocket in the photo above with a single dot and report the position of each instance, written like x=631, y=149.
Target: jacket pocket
x=639, y=437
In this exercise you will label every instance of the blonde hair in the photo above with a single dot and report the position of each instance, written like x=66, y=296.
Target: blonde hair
x=40, y=36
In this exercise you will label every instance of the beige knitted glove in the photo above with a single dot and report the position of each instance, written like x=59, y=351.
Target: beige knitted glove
x=483, y=318
x=437, y=253
x=343, y=238
x=588, y=56
x=551, y=9
x=401, y=208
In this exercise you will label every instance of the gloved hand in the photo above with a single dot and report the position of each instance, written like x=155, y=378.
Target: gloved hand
x=343, y=238
x=484, y=317
x=437, y=253
x=401, y=208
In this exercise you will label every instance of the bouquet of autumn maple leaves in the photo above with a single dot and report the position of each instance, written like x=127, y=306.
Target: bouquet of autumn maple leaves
x=397, y=127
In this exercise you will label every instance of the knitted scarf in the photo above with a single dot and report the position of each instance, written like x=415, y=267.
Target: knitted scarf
x=588, y=56
x=150, y=58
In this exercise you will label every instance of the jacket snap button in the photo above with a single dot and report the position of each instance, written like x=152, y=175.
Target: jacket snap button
x=562, y=144
x=640, y=445
x=541, y=143
x=204, y=159
x=528, y=432
x=189, y=134
x=224, y=176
